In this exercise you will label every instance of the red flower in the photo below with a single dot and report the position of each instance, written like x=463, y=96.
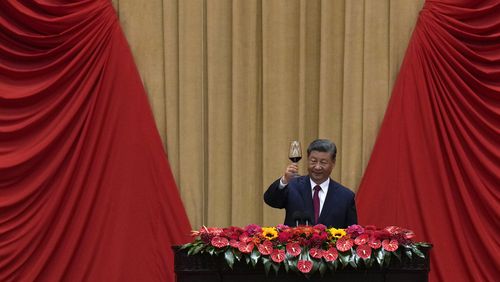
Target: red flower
x=381, y=234
x=320, y=227
x=278, y=255
x=304, y=266
x=393, y=229
x=246, y=248
x=245, y=238
x=284, y=236
x=408, y=234
x=303, y=241
x=304, y=230
x=375, y=244
x=355, y=230
x=344, y=244
x=253, y=229
x=370, y=233
x=293, y=249
x=318, y=239
x=219, y=242
x=316, y=253
x=206, y=234
x=364, y=251
x=234, y=243
x=361, y=239
x=331, y=254
x=390, y=246
x=232, y=232
x=265, y=248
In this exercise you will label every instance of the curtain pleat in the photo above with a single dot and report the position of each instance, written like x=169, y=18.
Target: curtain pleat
x=435, y=166
x=86, y=192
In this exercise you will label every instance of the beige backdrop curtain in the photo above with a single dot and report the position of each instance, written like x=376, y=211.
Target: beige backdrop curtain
x=231, y=82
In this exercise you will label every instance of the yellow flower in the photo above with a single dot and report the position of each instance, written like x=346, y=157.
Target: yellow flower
x=269, y=233
x=337, y=233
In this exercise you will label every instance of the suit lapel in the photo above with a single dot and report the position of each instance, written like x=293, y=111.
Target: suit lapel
x=329, y=204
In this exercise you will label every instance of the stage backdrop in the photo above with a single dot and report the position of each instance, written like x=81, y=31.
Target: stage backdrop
x=436, y=165
x=232, y=82
x=86, y=193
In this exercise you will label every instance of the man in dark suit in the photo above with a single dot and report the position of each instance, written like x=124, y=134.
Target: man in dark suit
x=315, y=196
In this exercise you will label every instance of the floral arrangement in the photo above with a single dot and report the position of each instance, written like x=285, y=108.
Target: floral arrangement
x=306, y=249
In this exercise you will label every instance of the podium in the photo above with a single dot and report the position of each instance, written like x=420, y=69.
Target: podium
x=207, y=268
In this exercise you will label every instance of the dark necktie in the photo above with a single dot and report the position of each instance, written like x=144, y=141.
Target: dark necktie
x=317, y=188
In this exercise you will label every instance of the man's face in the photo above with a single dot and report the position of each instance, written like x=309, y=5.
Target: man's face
x=320, y=166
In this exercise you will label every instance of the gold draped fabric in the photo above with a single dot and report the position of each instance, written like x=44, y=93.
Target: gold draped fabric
x=231, y=82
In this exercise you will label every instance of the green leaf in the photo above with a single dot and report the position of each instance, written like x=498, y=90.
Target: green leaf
x=368, y=262
x=352, y=260
x=322, y=269
x=192, y=248
x=292, y=263
x=229, y=256
x=398, y=255
x=196, y=249
x=356, y=258
x=276, y=267
x=344, y=258
x=335, y=264
x=423, y=244
x=387, y=258
x=408, y=253
x=332, y=265
x=287, y=267
x=247, y=259
x=380, y=256
x=237, y=254
x=305, y=254
x=185, y=246
x=315, y=266
x=417, y=251
x=254, y=257
x=267, y=265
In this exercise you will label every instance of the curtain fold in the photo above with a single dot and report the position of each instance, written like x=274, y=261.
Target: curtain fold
x=435, y=166
x=86, y=192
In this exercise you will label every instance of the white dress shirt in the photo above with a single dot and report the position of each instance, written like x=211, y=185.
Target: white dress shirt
x=321, y=194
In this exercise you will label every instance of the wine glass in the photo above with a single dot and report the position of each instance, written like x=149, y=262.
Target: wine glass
x=295, y=153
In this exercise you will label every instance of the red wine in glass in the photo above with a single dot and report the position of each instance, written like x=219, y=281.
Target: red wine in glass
x=295, y=153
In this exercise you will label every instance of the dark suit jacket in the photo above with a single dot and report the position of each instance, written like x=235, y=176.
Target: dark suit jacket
x=339, y=209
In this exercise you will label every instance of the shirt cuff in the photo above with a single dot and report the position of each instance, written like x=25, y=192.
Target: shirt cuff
x=282, y=185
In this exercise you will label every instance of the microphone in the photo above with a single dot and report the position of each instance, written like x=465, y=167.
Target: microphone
x=298, y=217
x=306, y=216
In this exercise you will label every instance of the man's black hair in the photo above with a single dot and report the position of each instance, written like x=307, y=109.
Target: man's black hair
x=323, y=145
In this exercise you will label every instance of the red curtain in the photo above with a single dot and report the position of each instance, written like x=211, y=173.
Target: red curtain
x=435, y=167
x=86, y=192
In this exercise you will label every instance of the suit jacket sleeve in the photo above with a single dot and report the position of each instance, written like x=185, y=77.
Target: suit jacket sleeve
x=352, y=216
x=276, y=197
